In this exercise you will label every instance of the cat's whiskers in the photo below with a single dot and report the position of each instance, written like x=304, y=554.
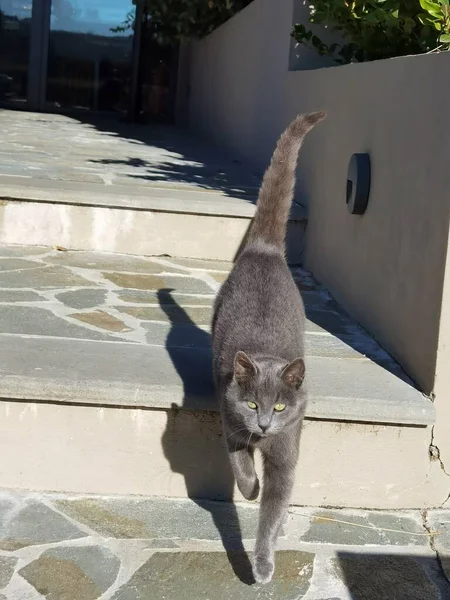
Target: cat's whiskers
x=237, y=431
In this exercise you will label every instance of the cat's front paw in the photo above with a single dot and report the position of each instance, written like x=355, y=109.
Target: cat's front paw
x=263, y=569
x=249, y=488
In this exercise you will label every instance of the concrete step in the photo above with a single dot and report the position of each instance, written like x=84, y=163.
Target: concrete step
x=128, y=548
x=106, y=388
x=150, y=220
x=113, y=187
x=158, y=377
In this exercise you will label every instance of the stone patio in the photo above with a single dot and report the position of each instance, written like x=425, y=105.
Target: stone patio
x=155, y=310
x=111, y=156
x=100, y=184
x=98, y=350
x=64, y=547
x=90, y=332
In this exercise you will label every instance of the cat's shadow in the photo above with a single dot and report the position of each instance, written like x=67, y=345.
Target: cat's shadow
x=192, y=441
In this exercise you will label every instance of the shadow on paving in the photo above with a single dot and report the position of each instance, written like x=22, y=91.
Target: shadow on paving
x=207, y=575
x=333, y=319
x=192, y=441
x=194, y=162
x=391, y=577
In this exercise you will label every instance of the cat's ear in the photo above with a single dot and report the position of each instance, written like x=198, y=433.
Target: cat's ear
x=244, y=367
x=294, y=373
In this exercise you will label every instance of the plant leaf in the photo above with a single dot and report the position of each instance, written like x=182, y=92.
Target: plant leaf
x=429, y=6
x=432, y=8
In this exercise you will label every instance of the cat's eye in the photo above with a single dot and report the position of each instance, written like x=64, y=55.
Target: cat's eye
x=279, y=407
x=252, y=405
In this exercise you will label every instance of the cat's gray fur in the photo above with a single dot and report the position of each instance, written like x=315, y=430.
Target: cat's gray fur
x=258, y=333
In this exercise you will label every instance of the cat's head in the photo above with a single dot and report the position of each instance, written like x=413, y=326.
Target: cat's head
x=266, y=393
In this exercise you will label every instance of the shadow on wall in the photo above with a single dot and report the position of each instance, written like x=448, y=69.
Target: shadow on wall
x=192, y=441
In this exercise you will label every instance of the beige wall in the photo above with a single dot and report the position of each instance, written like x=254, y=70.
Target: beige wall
x=238, y=74
x=160, y=453
x=386, y=267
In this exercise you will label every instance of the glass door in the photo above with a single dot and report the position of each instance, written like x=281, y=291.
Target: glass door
x=15, y=35
x=90, y=55
x=158, y=64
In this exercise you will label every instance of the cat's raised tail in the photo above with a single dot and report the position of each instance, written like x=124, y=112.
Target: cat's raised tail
x=275, y=195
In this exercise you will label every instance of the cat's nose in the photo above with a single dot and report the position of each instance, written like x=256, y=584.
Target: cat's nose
x=264, y=422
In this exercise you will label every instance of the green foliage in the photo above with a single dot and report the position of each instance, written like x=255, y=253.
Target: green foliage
x=377, y=29
x=173, y=20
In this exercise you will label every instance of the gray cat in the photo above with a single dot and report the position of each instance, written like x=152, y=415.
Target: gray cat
x=258, y=333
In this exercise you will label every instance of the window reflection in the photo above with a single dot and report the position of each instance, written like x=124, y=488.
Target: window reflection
x=15, y=27
x=89, y=55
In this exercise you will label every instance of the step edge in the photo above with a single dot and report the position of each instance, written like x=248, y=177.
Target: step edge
x=229, y=207
x=421, y=413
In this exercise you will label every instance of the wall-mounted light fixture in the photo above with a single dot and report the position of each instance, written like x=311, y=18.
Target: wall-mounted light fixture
x=358, y=184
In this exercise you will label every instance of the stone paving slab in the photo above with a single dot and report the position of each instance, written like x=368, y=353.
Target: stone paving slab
x=107, y=163
x=159, y=198
x=80, y=573
x=58, y=309
x=133, y=548
x=33, y=523
x=390, y=577
x=183, y=285
x=7, y=568
x=147, y=518
x=107, y=151
x=439, y=520
x=369, y=528
x=30, y=320
x=42, y=277
x=153, y=376
x=21, y=251
x=206, y=575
